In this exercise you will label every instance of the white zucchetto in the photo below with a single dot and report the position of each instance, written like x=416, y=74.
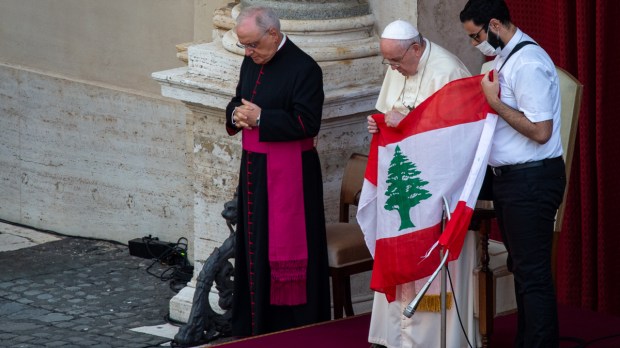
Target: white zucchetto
x=399, y=30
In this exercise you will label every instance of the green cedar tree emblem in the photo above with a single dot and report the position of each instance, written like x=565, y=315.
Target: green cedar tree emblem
x=404, y=188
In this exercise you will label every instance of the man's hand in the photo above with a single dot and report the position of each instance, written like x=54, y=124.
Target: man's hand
x=393, y=118
x=539, y=132
x=246, y=114
x=490, y=88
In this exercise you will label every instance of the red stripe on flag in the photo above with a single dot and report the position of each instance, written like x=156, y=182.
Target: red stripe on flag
x=452, y=105
x=449, y=106
x=456, y=229
x=373, y=154
x=399, y=260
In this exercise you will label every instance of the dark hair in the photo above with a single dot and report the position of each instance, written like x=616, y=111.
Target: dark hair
x=482, y=11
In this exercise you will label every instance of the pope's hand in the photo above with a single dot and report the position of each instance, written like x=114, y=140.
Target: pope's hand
x=393, y=118
x=372, y=125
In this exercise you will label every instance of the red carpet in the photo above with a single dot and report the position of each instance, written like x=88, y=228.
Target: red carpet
x=349, y=332
x=578, y=329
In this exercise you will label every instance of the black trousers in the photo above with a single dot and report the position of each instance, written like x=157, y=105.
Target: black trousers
x=526, y=202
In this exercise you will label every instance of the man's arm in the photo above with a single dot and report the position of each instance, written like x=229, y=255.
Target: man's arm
x=539, y=132
x=232, y=127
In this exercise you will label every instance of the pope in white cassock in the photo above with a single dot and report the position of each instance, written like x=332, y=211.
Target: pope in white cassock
x=417, y=68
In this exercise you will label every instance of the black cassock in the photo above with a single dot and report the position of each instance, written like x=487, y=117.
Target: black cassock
x=289, y=91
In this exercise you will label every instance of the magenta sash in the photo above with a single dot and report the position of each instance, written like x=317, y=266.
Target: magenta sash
x=288, y=250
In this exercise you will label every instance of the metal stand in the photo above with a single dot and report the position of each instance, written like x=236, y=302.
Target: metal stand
x=443, y=267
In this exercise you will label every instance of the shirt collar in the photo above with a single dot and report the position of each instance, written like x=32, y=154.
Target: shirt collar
x=516, y=38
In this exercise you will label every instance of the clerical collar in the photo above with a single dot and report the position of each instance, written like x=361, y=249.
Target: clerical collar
x=425, y=54
x=282, y=42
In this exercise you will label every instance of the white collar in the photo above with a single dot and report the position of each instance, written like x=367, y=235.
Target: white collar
x=516, y=38
x=282, y=42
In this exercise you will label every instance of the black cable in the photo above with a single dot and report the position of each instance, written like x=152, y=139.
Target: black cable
x=601, y=339
x=168, y=255
x=172, y=321
x=180, y=271
x=456, y=306
x=580, y=343
x=20, y=225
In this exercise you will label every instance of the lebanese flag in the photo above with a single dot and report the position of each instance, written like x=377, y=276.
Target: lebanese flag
x=440, y=149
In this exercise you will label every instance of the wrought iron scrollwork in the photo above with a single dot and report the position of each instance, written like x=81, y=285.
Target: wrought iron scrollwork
x=205, y=324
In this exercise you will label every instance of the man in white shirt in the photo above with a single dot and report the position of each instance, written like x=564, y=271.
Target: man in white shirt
x=526, y=159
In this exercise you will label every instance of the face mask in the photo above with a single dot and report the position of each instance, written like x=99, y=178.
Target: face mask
x=492, y=45
x=488, y=50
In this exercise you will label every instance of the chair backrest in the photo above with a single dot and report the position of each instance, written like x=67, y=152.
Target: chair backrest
x=571, y=91
x=352, y=181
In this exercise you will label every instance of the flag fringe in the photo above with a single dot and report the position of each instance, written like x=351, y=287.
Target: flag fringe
x=432, y=303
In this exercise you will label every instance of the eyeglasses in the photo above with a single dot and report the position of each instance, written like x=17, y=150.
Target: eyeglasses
x=252, y=45
x=396, y=63
x=476, y=35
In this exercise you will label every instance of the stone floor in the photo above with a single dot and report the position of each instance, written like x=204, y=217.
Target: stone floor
x=58, y=291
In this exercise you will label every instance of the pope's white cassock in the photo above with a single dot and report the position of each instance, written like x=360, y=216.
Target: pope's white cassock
x=389, y=327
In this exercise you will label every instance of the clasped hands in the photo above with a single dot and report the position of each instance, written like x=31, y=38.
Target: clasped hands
x=392, y=119
x=245, y=115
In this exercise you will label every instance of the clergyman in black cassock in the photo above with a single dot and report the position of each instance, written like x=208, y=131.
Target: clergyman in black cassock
x=281, y=267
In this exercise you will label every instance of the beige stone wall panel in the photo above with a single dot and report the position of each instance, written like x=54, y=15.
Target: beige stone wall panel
x=439, y=21
x=87, y=160
x=117, y=42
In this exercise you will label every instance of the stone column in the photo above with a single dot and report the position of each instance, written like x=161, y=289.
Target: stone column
x=313, y=9
x=337, y=34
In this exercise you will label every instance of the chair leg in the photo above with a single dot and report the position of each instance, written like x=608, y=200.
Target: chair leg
x=348, y=305
x=338, y=295
x=486, y=299
x=486, y=315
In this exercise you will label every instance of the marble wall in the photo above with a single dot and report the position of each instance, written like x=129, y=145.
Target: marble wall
x=92, y=161
x=117, y=42
x=439, y=21
x=88, y=146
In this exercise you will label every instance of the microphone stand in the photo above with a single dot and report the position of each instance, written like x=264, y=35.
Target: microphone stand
x=413, y=305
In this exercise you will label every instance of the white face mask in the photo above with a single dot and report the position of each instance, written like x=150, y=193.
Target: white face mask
x=485, y=46
x=488, y=50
